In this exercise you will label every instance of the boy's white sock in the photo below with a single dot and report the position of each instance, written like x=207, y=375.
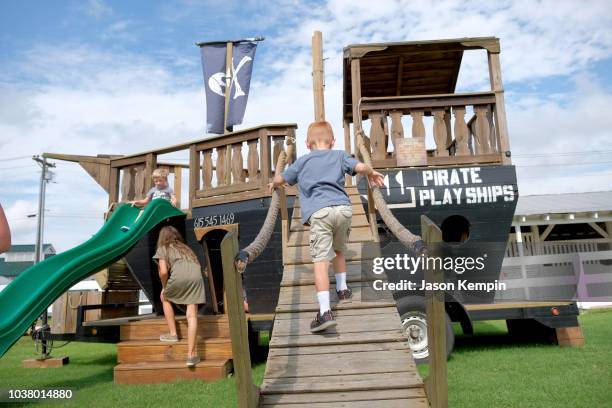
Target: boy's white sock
x=341, y=281
x=323, y=298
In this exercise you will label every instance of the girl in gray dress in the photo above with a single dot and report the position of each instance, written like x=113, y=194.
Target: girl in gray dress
x=182, y=283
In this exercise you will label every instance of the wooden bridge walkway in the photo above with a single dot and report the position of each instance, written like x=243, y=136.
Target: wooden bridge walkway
x=365, y=361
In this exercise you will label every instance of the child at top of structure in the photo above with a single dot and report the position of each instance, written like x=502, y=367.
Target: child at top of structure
x=182, y=283
x=161, y=189
x=326, y=207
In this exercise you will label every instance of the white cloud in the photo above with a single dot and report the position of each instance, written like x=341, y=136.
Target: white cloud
x=96, y=8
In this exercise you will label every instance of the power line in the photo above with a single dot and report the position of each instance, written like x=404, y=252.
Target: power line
x=14, y=158
x=563, y=164
x=567, y=153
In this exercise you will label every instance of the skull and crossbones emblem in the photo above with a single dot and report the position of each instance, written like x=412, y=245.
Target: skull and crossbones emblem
x=216, y=82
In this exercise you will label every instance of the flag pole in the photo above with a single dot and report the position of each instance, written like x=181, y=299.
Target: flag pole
x=228, y=82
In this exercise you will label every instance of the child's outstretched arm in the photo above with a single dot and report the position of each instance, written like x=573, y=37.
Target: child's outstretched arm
x=173, y=199
x=374, y=177
x=276, y=182
x=144, y=201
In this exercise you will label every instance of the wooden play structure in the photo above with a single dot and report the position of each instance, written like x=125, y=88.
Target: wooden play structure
x=231, y=216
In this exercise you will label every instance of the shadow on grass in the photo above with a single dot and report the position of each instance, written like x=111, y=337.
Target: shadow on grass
x=79, y=383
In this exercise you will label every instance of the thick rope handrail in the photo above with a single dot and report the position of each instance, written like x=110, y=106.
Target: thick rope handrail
x=407, y=238
x=255, y=248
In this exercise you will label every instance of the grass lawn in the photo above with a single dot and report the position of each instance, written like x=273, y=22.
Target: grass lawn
x=484, y=371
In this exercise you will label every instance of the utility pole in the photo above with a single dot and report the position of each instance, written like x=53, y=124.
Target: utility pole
x=45, y=177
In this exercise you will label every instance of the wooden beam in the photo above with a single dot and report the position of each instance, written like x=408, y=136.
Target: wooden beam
x=194, y=174
x=599, y=230
x=500, y=107
x=78, y=158
x=436, y=383
x=546, y=232
x=318, y=76
x=113, y=185
x=356, y=93
x=248, y=393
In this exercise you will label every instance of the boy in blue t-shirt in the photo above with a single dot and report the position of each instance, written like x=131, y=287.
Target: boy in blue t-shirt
x=325, y=205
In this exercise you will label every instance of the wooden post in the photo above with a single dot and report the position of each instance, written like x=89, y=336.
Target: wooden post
x=461, y=132
x=318, y=78
x=500, y=107
x=248, y=393
x=178, y=181
x=397, y=130
x=228, y=82
x=436, y=384
x=207, y=169
x=347, y=147
x=418, y=128
x=150, y=165
x=194, y=174
x=356, y=94
x=264, y=152
x=439, y=132
x=377, y=136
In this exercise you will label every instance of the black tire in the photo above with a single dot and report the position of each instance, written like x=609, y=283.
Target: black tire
x=414, y=325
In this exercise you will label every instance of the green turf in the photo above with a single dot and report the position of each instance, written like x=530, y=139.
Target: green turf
x=487, y=370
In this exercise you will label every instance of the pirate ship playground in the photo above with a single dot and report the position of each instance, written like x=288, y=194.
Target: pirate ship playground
x=462, y=192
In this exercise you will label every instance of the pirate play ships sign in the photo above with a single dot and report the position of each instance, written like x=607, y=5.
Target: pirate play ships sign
x=218, y=78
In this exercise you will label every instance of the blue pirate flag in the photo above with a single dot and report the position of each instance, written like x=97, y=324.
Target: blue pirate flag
x=214, y=68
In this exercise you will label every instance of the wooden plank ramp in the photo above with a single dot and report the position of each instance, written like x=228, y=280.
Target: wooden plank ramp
x=365, y=361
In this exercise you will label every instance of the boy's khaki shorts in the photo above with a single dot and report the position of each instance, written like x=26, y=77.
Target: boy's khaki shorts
x=329, y=231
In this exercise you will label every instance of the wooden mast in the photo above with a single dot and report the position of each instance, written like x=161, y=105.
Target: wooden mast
x=318, y=84
x=228, y=81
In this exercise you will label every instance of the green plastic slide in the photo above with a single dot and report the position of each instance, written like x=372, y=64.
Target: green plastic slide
x=24, y=299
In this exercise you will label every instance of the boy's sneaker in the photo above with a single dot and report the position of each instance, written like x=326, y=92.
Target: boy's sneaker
x=322, y=322
x=125, y=228
x=192, y=361
x=345, y=296
x=168, y=338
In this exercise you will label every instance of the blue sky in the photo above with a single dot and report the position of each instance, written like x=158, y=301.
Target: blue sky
x=98, y=77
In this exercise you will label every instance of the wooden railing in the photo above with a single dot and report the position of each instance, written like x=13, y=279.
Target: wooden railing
x=225, y=168
x=474, y=141
x=221, y=163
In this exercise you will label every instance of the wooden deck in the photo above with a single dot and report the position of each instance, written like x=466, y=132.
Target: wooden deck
x=363, y=362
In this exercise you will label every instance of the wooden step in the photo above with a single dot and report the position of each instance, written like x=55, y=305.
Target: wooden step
x=168, y=372
x=208, y=326
x=295, y=295
x=340, y=364
x=358, y=234
x=303, y=274
x=346, y=324
x=342, y=383
x=346, y=348
x=400, y=398
x=136, y=351
x=314, y=306
x=355, y=251
x=359, y=220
